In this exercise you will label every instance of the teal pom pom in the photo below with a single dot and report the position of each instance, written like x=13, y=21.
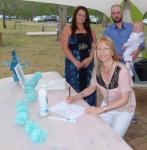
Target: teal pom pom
x=32, y=129
x=27, y=84
x=28, y=88
x=21, y=102
x=31, y=97
x=33, y=83
x=30, y=126
x=31, y=92
x=21, y=118
x=38, y=135
x=22, y=108
x=38, y=74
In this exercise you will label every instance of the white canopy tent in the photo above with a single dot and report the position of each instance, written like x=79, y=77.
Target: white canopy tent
x=100, y=5
x=141, y=5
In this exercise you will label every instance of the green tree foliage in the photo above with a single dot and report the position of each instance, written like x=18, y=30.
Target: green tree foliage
x=45, y=9
x=25, y=10
x=135, y=13
x=29, y=10
x=8, y=7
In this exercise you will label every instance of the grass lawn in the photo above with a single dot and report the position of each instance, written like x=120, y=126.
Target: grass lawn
x=44, y=53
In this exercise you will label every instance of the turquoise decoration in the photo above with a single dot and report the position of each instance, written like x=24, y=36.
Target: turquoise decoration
x=14, y=62
x=32, y=129
x=29, y=126
x=22, y=108
x=31, y=97
x=38, y=135
x=21, y=118
x=21, y=102
x=38, y=75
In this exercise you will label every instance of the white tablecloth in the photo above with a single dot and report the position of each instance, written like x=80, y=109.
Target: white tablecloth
x=88, y=133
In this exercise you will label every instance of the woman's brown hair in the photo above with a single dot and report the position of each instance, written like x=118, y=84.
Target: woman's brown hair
x=86, y=23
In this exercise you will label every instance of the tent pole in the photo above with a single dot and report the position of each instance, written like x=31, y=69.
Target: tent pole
x=126, y=11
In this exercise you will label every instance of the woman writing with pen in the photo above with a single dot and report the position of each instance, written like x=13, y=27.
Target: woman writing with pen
x=115, y=85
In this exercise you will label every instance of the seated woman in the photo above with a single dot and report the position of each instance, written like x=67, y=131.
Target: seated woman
x=115, y=84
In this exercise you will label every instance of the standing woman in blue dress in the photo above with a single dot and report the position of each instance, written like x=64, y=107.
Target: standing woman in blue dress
x=78, y=41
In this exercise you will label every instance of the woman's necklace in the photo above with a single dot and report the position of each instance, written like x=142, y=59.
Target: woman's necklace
x=108, y=73
x=108, y=70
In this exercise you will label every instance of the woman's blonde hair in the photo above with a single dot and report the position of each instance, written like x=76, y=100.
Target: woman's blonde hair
x=106, y=40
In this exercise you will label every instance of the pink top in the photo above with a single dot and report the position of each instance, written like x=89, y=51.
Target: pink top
x=120, y=82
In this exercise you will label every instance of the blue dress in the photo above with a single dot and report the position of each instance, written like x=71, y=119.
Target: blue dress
x=80, y=45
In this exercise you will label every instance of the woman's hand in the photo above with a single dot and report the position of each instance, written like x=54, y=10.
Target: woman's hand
x=70, y=99
x=78, y=96
x=86, y=62
x=94, y=110
x=78, y=64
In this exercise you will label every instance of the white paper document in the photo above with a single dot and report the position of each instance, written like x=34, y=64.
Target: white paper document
x=69, y=111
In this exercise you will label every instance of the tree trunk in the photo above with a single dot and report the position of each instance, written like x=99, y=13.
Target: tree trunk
x=105, y=21
x=1, y=41
x=4, y=22
x=14, y=23
x=62, y=20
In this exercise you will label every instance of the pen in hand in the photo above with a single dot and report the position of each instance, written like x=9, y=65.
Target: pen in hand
x=69, y=91
x=69, y=94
